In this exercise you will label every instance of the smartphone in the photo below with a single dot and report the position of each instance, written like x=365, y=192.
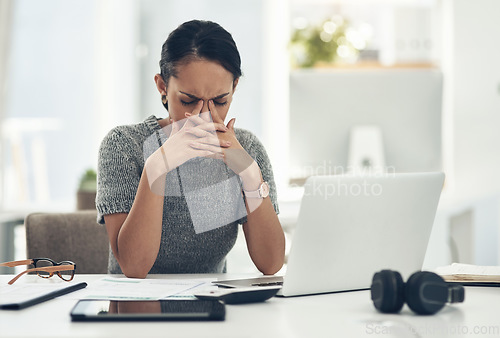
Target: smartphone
x=157, y=310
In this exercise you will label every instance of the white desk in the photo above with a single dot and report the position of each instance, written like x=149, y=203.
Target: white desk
x=349, y=314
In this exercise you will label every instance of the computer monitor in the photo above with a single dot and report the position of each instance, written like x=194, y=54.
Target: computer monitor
x=326, y=104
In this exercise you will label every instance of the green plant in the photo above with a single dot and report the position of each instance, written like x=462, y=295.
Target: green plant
x=88, y=181
x=322, y=44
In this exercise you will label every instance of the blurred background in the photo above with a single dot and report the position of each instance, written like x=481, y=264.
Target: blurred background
x=329, y=86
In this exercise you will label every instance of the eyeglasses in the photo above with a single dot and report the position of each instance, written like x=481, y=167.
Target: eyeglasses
x=45, y=268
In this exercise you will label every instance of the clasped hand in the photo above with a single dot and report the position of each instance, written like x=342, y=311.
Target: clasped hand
x=200, y=134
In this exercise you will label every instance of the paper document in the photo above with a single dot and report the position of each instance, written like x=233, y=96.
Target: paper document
x=112, y=288
x=468, y=272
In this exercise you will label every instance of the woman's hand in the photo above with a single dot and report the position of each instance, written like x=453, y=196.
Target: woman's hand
x=189, y=138
x=238, y=160
x=235, y=157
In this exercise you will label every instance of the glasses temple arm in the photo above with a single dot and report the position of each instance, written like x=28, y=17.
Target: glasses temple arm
x=50, y=269
x=16, y=263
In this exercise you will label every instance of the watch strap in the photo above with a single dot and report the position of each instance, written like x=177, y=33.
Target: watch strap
x=262, y=192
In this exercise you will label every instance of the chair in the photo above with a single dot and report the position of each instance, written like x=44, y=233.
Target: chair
x=72, y=236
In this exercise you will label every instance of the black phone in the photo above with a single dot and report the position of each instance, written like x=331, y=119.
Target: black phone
x=156, y=310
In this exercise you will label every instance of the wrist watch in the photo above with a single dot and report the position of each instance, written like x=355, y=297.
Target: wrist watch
x=262, y=192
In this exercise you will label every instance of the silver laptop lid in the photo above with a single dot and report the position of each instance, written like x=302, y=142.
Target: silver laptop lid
x=349, y=227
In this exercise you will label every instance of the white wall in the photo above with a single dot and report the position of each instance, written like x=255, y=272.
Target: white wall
x=243, y=19
x=471, y=119
x=475, y=102
x=50, y=69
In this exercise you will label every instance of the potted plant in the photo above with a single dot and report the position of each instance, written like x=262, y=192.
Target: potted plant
x=85, y=196
x=329, y=43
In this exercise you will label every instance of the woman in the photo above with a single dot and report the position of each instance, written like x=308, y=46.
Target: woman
x=172, y=191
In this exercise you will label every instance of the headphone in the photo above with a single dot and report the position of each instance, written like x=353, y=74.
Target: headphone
x=425, y=292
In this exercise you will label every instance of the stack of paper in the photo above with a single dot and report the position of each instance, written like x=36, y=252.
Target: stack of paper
x=458, y=272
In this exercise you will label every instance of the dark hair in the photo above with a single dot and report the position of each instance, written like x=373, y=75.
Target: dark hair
x=198, y=39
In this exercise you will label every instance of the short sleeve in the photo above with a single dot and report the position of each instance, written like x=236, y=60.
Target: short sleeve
x=118, y=175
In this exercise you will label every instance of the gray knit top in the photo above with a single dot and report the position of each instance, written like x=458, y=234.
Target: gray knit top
x=203, y=204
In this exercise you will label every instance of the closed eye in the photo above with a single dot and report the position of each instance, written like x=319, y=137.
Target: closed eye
x=187, y=103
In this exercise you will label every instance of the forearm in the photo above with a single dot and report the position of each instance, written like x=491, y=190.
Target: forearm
x=139, y=237
x=263, y=231
x=265, y=238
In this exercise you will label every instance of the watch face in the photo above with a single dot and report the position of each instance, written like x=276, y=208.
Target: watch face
x=264, y=190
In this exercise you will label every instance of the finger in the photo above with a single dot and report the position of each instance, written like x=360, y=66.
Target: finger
x=206, y=116
x=198, y=122
x=195, y=120
x=194, y=112
x=215, y=114
x=206, y=147
x=197, y=109
x=214, y=140
x=212, y=127
x=200, y=132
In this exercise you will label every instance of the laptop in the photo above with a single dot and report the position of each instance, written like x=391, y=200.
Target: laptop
x=350, y=227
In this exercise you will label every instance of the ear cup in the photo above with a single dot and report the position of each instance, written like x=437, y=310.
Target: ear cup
x=426, y=293
x=387, y=291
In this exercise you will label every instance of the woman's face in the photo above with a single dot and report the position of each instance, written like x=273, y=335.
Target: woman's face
x=198, y=80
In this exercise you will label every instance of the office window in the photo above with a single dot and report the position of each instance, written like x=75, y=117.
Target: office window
x=65, y=87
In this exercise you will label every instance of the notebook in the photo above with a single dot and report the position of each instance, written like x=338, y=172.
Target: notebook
x=350, y=227
x=22, y=295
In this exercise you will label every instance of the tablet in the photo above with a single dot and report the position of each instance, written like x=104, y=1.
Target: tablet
x=108, y=310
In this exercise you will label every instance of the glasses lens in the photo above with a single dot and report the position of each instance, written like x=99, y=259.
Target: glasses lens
x=41, y=264
x=67, y=275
